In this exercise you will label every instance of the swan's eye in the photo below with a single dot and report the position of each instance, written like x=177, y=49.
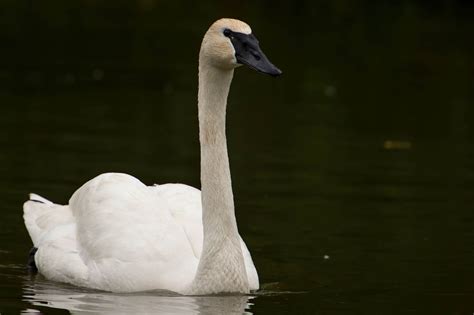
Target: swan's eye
x=227, y=32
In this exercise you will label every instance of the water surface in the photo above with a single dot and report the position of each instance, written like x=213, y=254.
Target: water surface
x=353, y=173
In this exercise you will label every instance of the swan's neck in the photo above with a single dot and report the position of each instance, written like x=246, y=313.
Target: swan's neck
x=221, y=266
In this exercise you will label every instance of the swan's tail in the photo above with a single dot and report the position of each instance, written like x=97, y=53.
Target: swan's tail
x=41, y=216
x=38, y=198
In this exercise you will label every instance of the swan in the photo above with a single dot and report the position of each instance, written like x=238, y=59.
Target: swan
x=119, y=235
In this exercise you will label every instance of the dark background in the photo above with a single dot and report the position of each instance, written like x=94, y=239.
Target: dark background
x=362, y=151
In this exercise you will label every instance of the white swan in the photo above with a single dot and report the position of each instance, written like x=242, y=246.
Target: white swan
x=116, y=234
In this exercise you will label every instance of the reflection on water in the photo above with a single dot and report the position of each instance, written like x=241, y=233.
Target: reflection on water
x=41, y=293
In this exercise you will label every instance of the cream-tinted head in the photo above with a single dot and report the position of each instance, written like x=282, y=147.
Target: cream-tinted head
x=216, y=48
x=229, y=43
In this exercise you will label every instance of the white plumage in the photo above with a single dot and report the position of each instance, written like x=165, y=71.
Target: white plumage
x=119, y=235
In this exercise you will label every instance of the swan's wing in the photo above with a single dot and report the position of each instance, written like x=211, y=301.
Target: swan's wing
x=118, y=217
x=128, y=237
x=114, y=235
x=185, y=205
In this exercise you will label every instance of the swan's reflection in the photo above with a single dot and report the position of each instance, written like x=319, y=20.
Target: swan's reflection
x=81, y=301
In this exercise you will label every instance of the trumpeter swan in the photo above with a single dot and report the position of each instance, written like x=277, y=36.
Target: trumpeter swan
x=116, y=234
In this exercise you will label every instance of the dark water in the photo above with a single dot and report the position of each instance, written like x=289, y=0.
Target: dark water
x=353, y=173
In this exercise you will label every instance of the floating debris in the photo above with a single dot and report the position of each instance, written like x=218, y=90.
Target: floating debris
x=397, y=145
x=326, y=257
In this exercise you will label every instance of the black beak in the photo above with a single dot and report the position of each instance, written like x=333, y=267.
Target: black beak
x=248, y=52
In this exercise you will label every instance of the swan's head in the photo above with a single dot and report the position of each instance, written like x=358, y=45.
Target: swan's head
x=230, y=43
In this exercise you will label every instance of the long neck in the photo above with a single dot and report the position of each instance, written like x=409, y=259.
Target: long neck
x=221, y=266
